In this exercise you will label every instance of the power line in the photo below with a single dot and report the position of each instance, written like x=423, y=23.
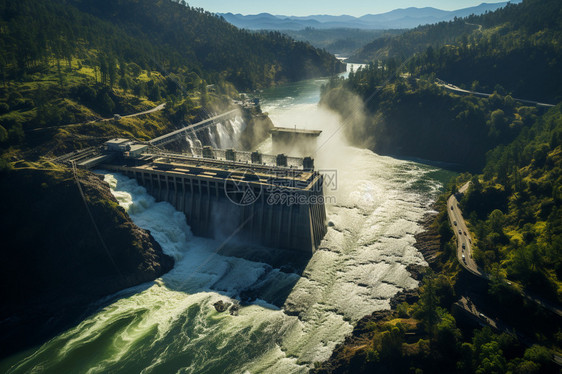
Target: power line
x=92, y=219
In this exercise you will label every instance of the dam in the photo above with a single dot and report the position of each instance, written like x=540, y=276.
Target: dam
x=273, y=201
x=172, y=325
x=275, y=206
x=244, y=197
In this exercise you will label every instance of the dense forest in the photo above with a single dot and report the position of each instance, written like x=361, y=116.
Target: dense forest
x=413, y=41
x=447, y=128
x=74, y=61
x=514, y=50
x=515, y=208
x=343, y=42
x=518, y=52
x=160, y=35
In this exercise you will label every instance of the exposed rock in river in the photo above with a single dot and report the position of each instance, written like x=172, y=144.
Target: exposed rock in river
x=221, y=306
x=427, y=241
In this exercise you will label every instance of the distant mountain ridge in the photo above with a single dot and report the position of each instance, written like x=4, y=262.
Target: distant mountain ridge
x=395, y=19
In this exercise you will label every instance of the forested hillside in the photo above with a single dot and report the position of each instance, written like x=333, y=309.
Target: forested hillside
x=414, y=41
x=514, y=50
x=73, y=61
x=416, y=118
x=518, y=51
x=513, y=205
x=161, y=35
x=515, y=208
x=205, y=40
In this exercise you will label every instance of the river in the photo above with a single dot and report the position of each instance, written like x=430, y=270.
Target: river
x=170, y=325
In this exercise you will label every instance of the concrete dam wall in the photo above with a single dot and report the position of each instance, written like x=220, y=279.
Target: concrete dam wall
x=251, y=203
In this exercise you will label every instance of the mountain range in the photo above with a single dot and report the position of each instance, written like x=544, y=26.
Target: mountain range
x=395, y=19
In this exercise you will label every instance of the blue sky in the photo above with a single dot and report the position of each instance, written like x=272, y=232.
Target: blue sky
x=334, y=7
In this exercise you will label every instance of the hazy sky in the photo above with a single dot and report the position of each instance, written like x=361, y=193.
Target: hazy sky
x=334, y=7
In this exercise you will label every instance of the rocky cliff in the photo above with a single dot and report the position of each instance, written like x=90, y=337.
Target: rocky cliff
x=57, y=258
x=258, y=128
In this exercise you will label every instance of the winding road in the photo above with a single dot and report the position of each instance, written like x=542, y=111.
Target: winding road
x=464, y=256
x=465, y=249
x=475, y=24
x=155, y=109
x=464, y=239
x=452, y=87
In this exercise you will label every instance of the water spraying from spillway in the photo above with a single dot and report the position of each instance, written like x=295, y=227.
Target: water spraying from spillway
x=189, y=140
x=170, y=325
x=226, y=134
x=220, y=135
x=212, y=137
x=229, y=133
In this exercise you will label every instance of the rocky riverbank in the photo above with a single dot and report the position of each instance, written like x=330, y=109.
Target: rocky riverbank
x=427, y=242
x=58, y=258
